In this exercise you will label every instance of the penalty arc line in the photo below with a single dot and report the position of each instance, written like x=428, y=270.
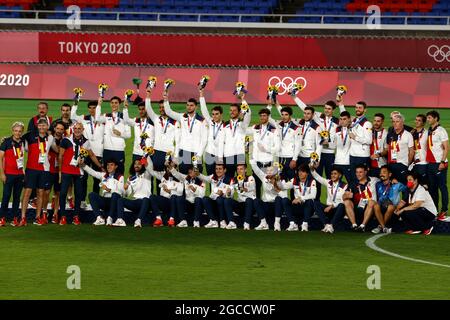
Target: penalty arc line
x=371, y=244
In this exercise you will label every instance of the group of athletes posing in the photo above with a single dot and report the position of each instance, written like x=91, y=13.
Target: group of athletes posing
x=366, y=169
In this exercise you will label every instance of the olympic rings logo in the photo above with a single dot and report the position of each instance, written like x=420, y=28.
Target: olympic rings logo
x=286, y=84
x=439, y=54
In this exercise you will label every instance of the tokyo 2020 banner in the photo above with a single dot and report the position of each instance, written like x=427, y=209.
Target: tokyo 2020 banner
x=224, y=50
x=415, y=89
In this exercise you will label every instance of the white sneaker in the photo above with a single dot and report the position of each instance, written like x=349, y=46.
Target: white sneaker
x=119, y=223
x=182, y=224
x=276, y=226
x=377, y=230
x=387, y=230
x=231, y=226
x=137, y=223
x=212, y=224
x=223, y=224
x=292, y=227
x=262, y=226
x=83, y=205
x=305, y=227
x=330, y=228
x=196, y=224
x=99, y=221
x=109, y=221
x=246, y=226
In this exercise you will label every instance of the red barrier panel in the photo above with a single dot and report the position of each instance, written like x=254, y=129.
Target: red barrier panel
x=271, y=51
x=416, y=89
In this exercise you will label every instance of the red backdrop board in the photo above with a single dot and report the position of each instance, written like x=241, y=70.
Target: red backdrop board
x=416, y=89
x=271, y=51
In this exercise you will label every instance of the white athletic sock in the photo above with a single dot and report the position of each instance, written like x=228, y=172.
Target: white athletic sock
x=277, y=219
x=263, y=221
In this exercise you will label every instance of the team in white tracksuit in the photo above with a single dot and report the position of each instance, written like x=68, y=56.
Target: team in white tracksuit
x=193, y=137
x=192, y=200
x=144, y=132
x=215, y=141
x=115, y=133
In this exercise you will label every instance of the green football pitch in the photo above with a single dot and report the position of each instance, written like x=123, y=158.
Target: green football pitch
x=163, y=263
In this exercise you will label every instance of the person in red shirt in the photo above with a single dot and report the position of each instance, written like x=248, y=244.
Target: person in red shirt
x=58, y=134
x=42, y=113
x=11, y=172
x=37, y=173
x=42, y=109
x=72, y=150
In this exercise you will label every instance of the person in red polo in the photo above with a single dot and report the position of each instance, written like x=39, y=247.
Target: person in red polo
x=37, y=175
x=11, y=172
x=72, y=150
x=58, y=134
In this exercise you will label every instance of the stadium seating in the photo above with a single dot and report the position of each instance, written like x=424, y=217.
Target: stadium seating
x=418, y=11
x=17, y=4
x=173, y=10
x=14, y=5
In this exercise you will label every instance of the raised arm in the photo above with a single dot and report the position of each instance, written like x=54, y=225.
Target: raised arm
x=73, y=114
x=178, y=175
x=170, y=113
x=148, y=107
x=247, y=119
x=96, y=174
x=272, y=121
x=257, y=171
x=247, y=115
x=300, y=103
x=204, y=178
x=204, y=108
x=149, y=170
x=341, y=107
x=98, y=112
x=318, y=178
x=126, y=116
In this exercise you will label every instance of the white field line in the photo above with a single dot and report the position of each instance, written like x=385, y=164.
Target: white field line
x=371, y=244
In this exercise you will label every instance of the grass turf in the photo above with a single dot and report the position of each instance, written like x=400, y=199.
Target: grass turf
x=211, y=264
x=163, y=263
